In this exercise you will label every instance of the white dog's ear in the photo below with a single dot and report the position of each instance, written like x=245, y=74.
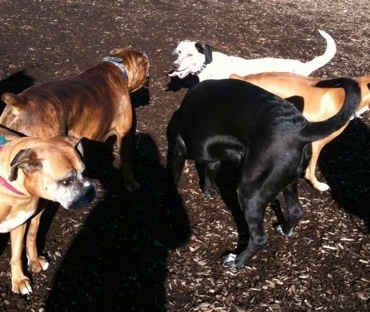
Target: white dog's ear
x=206, y=50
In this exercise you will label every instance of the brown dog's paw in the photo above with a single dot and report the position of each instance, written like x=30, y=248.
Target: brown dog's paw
x=36, y=266
x=21, y=286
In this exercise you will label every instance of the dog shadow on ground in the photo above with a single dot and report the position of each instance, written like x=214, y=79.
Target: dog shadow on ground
x=118, y=262
x=344, y=164
x=175, y=83
x=15, y=83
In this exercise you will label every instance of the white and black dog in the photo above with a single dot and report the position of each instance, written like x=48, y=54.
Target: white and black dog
x=199, y=59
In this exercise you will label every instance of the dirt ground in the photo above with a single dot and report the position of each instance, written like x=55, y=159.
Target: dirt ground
x=119, y=254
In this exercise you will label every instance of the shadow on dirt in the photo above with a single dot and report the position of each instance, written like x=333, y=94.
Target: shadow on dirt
x=118, y=262
x=15, y=83
x=345, y=167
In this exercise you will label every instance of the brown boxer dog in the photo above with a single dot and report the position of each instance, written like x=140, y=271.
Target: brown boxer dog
x=315, y=103
x=30, y=169
x=94, y=105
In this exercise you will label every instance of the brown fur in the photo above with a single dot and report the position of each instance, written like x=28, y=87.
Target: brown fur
x=30, y=169
x=95, y=105
x=315, y=103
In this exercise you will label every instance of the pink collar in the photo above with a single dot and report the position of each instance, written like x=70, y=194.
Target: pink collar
x=10, y=187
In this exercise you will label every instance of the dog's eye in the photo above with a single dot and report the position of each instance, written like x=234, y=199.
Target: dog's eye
x=69, y=180
x=190, y=55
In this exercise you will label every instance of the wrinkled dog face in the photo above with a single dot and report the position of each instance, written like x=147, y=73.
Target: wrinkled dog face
x=62, y=181
x=54, y=171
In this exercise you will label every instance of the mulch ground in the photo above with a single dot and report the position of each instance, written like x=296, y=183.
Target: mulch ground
x=119, y=254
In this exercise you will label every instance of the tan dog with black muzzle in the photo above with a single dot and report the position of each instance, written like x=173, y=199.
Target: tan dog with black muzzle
x=30, y=169
x=94, y=105
x=315, y=103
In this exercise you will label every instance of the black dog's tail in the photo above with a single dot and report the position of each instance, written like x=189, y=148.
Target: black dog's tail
x=317, y=130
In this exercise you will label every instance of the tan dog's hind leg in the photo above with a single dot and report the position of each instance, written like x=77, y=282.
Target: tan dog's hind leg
x=35, y=263
x=311, y=168
x=316, y=149
x=20, y=282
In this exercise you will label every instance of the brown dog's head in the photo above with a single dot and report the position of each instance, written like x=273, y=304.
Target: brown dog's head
x=136, y=65
x=52, y=169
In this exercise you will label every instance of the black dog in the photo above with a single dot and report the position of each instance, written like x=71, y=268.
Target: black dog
x=234, y=120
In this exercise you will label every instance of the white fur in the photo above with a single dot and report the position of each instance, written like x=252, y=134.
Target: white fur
x=10, y=224
x=189, y=60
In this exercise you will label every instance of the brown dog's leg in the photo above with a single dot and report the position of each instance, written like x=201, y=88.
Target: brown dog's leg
x=311, y=168
x=36, y=263
x=316, y=150
x=20, y=282
x=125, y=151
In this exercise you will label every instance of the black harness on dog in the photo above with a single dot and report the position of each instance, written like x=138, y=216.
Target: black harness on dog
x=117, y=61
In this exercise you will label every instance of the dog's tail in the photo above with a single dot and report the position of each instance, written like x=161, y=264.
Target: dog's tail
x=314, y=131
x=320, y=61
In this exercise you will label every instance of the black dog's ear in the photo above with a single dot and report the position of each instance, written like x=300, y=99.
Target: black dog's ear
x=206, y=50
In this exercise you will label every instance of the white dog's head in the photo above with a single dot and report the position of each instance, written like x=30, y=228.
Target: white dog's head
x=192, y=57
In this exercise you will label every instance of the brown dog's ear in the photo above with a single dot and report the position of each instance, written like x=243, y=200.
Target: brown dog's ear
x=114, y=51
x=25, y=160
x=77, y=143
x=15, y=102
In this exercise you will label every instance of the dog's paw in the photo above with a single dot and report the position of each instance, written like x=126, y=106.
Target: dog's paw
x=36, y=266
x=284, y=232
x=321, y=186
x=229, y=259
x=22, y=286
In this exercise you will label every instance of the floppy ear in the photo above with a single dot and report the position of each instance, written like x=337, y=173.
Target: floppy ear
x=25, y=160
x=205, y=49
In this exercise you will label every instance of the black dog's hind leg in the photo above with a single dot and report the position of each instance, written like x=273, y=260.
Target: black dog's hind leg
x=294, y=209
x=254, y=210
x=210, y=175
x=177, y=161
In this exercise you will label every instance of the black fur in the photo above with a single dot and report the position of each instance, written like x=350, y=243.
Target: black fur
x=234, y=120
x=206, y=50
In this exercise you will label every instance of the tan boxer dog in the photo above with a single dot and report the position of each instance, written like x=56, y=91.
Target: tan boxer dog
x=315, y=103
x=30, y=169
x=94, y=105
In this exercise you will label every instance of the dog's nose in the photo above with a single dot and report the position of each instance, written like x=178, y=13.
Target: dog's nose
x=175, y=65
